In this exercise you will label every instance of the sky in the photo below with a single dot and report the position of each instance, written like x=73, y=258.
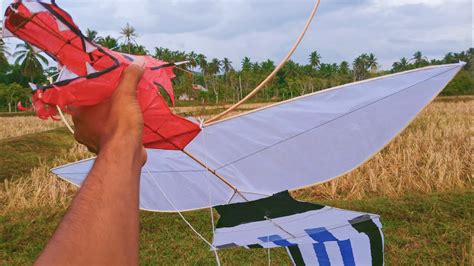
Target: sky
x=266, y=29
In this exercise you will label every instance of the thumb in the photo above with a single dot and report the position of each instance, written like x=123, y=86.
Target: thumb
x=131, y=76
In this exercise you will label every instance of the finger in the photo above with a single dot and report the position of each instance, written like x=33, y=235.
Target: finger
x=130, y=78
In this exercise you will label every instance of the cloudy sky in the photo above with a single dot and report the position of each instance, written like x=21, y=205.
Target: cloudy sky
x=264, y=29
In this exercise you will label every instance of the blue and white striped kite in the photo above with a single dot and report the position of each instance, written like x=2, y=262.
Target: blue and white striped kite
x=313, y=234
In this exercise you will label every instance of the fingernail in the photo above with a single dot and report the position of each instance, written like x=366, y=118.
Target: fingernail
x=139, y=61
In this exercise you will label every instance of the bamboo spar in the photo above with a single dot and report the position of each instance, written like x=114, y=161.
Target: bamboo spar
x=275, y=71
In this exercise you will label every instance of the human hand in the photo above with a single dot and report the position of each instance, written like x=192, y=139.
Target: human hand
x=117, y=121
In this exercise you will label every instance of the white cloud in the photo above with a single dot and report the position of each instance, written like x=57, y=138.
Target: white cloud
x=264, y=29
x=396, y=3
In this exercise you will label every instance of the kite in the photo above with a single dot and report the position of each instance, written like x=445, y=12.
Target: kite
x=312, y=234
x=90, y=73
x=289, y=145
x=242, y=165
x=301, y=142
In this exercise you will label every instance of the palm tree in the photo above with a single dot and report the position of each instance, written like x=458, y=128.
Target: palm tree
x=329, y=70
x=344, y=68
x=401, y=65
x=135, y=49
x=359, y=67
x=92, y=35
x=256, y=67
x=268, y=66
x=362, y=64
x=108, y=42
x=246, y=64
x=419, y=59
x=163, y=53
x=371, y=62
x=192, y=58
x=129, y=33
x=214, y=67
x=314, y=59
x=4, y=52
x=226, y=66
x=31, y=63
x=201, y=60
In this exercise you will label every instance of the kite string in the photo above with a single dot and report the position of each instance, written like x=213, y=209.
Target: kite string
x=177, y=210
x=268, y=252
x=206, y=154
x=213, y=224
x=274, y=72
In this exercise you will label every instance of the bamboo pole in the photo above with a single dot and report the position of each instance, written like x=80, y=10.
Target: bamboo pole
x=220, y=177
x=275, y=71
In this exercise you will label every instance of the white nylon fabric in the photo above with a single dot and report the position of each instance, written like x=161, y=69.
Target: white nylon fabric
x=335, y=220
x=5, y=32
x=34, y=6
x=187, y=184
x=318, y=137
x=308, y=140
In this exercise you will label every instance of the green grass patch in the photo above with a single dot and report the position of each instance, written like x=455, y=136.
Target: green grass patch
x=419, y=230
x=20, y=154
x=423, y=229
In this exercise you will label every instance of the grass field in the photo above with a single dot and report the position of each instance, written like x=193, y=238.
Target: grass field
x=420, y=184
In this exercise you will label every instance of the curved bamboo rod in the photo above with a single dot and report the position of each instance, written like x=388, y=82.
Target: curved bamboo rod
x=272, y=75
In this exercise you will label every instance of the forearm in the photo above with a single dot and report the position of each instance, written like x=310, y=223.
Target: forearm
x=104, y=212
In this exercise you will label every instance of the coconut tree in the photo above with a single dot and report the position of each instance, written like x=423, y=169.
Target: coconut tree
x=344, y=68
x=314, y=60
x=226, y=66
x=401, y=65
x=201, y=60
x=246, y=64
x=214, y=68
x=419, y=59
x=362, y=64
x=108, y=42
x=31, y=63
x=360, y=67
x=133, y=49
x=191, y=57
x=372, y=62
x=4, y=52
x=130, y=34
x=92, y=35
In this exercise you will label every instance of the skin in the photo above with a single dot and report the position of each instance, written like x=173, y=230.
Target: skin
x=101, y=226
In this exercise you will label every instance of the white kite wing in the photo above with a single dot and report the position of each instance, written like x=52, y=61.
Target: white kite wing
x=320, y=136
x=304, y=141
x=170, y=180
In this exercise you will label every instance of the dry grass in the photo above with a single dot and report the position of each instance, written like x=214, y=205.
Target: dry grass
x=434, y=154
x=21, y=125
x=41, y=188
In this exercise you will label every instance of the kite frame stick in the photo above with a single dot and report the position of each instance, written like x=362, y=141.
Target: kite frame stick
x=63, y=118
x=274, y=72
x=60, y=112
x=220, y=177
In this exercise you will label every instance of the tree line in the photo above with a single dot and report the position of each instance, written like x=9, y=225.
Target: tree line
x=215, y=81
